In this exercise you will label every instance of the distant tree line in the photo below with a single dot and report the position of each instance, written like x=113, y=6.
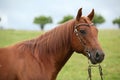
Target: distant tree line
x=98, y=19
x=43, y=20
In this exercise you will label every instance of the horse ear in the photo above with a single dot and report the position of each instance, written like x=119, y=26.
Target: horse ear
x=79, y=14
x=91, y=15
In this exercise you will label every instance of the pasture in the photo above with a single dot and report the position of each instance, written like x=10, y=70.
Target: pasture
x=76, y=67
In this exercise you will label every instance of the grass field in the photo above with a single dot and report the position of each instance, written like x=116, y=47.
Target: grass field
x=76, y=67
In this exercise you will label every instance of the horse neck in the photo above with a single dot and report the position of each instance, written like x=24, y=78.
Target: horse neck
x=55, y=47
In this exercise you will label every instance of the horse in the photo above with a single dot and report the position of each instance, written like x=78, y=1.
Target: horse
x=43, y=57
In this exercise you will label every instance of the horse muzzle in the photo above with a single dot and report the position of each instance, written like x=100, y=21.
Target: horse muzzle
x=96, y=56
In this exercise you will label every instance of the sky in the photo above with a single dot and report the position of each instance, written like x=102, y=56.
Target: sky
x=19, y=14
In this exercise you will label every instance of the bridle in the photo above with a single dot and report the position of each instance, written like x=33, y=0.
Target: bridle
x=77, y=33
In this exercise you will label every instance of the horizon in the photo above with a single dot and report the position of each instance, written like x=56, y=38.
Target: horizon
x=19, y=14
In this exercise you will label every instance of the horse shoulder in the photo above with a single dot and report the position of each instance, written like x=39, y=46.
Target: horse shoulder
x=6, y=66
x=27, y=66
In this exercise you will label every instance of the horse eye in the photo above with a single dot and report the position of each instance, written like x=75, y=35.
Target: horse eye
x=83, y=31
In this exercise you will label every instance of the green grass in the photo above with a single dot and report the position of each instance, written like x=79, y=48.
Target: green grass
x=9, y=37
x=76, y=67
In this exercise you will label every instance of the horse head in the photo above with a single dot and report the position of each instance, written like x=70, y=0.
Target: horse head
x=85, y=38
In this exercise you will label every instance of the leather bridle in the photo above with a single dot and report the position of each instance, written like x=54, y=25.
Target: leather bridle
x=77, y=33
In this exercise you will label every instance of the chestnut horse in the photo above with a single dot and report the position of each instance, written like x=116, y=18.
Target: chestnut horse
x=43, y=57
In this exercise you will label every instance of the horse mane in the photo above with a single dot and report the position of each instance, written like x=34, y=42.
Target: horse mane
x=51, y=41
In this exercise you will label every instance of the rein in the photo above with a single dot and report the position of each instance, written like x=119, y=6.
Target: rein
x=90, y=71
x=88, y=54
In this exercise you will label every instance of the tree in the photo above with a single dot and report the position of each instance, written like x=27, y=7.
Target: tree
x=66, y=18
x=42, y=21
x=98, y=19
x=117, y=21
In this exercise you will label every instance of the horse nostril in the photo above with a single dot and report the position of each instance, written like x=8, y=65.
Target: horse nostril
x=97, y=56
